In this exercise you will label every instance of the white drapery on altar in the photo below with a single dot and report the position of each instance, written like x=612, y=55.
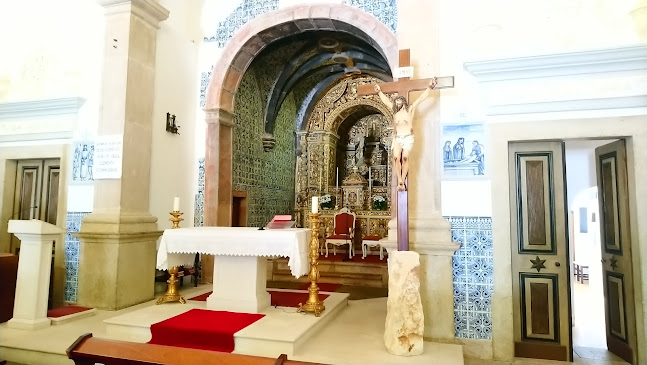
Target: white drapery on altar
x=179, y=246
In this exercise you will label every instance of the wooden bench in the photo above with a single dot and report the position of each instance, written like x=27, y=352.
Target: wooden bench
x=87, y=350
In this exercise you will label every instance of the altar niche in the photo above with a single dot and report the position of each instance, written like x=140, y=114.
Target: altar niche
x=344, y=157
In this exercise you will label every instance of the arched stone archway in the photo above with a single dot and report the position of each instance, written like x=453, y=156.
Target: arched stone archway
x=238, y=54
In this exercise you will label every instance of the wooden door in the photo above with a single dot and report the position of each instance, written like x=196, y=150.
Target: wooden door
x=36, y=197
x=539, y=245
x=620, y=316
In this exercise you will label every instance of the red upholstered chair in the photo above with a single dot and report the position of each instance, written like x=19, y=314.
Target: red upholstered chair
x=343, y=232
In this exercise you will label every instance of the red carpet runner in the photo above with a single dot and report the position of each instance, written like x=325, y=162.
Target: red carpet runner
x=278, y=298
x=202, y=329
x=66, y=311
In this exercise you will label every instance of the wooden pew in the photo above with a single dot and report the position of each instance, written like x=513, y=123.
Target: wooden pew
x=87, y=350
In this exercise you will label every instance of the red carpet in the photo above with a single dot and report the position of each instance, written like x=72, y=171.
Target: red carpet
x=66, y=311
x=278, y=298
x=202, y=329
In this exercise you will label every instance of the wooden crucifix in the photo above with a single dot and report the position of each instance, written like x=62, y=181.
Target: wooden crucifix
x=403, y=130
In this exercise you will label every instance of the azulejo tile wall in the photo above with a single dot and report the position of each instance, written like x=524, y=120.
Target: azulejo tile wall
x=248, y=10
x=198, y=217
x=386, y=11
x=72, y=255
x=473, y=266
x=266, y=177
x=204, y=84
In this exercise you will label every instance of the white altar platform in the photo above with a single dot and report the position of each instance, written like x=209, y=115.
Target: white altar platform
x=352, y=336
x=281, y=331
x=240, y=264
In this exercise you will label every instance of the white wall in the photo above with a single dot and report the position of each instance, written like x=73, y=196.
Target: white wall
x=173, y=163
x=580, y=166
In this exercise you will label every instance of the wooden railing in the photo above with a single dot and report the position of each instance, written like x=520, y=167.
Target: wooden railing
x=87, y=350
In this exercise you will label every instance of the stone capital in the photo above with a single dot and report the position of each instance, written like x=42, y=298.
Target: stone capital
x=118, y=223
x=219, y=116
x=148, y=10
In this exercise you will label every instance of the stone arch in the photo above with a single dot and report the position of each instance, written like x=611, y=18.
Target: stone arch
x=236, y=57
x=256, y=34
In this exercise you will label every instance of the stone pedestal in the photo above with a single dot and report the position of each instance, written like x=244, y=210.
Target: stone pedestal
x=117, y=267
x=431, y=238
x=34, y=267
x=239, y=284
x=405, y=321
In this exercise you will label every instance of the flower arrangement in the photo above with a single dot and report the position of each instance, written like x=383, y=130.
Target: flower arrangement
x=327, y=202
x=379, y=202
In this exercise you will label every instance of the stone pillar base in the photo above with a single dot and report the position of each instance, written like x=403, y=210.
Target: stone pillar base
x=117, y=263
x=432, y=239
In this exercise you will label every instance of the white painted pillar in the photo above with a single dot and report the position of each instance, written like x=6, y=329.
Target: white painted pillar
x=34, y=267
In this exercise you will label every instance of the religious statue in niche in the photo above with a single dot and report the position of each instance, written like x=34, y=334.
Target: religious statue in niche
x=367, y=149
x=403, y=130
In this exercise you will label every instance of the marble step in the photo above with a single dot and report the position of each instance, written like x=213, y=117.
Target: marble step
x=345, y=273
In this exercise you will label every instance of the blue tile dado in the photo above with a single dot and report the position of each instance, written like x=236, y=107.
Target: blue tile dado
x=473, y=270
x=72, y=254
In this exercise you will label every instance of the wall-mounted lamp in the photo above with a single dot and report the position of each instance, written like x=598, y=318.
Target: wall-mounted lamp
x=170, y=124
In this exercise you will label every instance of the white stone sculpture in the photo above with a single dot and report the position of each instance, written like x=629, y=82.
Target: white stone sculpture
x=405, y=321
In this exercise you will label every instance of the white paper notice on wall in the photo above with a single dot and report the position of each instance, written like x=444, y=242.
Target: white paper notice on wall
x=108, y=153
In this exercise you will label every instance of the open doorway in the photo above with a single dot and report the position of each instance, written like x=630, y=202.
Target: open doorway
x=585, y=251
x=571, y=251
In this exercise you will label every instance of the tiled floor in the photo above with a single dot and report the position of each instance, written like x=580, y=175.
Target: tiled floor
x=588, y=311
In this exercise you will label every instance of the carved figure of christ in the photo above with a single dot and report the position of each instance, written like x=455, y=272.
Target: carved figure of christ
x=403, y=115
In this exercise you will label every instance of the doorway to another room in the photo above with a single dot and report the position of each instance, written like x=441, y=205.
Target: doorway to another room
x=571, y=251
x=587, y=288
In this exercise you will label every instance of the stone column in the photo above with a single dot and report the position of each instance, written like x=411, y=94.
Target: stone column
x=118, y=240
x=429, y=232
x=218, y=177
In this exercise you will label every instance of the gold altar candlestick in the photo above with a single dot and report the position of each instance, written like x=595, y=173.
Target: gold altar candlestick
x=313, y=304
x=175, y=218
x=172, y=294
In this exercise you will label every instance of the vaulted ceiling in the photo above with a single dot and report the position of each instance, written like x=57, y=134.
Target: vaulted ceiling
x=311, y=63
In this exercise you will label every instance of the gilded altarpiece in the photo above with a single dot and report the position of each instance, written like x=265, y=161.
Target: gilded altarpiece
x=345, y=153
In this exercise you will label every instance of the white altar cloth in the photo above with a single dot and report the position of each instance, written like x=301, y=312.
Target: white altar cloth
x=240, y=266
x=179, y=246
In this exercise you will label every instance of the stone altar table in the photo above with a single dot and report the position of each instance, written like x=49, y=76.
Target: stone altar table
x=240, y=267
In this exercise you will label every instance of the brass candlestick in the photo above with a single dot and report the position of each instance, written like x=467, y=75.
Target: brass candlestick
x=175, y=218
x=172, y=294
x=313, y=304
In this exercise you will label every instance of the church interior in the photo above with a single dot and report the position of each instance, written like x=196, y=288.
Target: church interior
x=219, y=182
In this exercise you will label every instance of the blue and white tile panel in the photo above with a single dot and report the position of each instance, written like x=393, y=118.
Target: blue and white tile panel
x=72, y=255
x=386, y=11
x=473, y=271
x=245, y=12
x=198, y=216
